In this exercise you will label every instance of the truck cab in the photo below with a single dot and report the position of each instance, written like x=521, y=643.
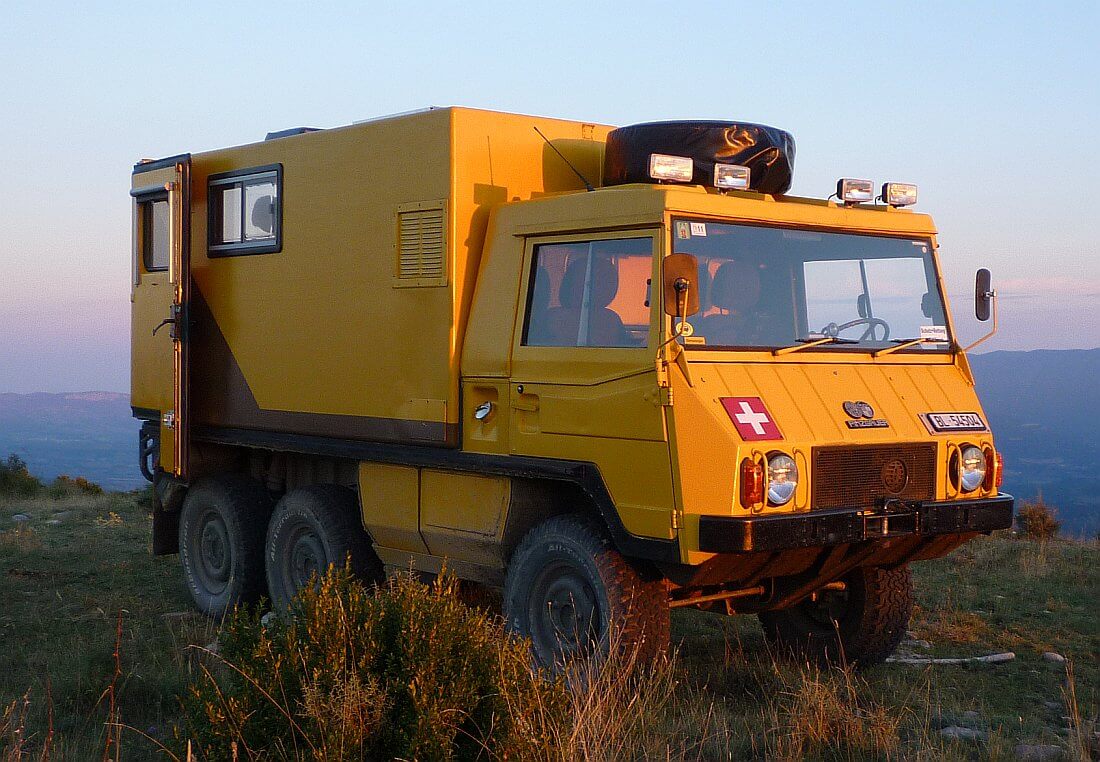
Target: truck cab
x=672, y=386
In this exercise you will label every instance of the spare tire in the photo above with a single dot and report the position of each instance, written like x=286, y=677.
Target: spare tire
x=768, y=152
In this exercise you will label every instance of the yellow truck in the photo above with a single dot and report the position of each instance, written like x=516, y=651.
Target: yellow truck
x=610, y=371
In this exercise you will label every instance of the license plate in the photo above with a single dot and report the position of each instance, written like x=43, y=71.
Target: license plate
x=938, y=422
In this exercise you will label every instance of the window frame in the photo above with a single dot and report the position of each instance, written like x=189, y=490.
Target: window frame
x=651, y=233
x=144, y=202
x=216, y=248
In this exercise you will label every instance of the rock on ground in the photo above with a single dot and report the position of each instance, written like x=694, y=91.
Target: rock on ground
x=959, y=733
x=1040, y=752
x=1054, y=658
x=20, y=518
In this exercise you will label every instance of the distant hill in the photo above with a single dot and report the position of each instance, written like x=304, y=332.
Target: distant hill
x=88, y=434
x=1044, y=407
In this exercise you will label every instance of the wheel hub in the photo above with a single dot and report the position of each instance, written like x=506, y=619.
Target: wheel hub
x=307, y=558
x=568, y=613
x=215, y=560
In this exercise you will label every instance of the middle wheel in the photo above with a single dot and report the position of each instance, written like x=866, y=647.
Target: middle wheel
x=312, y=529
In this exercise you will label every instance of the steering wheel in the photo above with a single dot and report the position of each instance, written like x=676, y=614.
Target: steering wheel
x=832, y=329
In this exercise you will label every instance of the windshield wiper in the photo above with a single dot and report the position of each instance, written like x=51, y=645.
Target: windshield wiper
x=812, y=341
x=905, y=344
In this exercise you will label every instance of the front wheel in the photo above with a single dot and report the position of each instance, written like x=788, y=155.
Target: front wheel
x=861, y=624
x=312, y=529
x=573, y=595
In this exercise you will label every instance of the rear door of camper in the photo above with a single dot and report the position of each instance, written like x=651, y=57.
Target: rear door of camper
x=161, y=290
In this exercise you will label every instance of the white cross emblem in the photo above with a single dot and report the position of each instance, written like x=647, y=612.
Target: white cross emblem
x=749, y=417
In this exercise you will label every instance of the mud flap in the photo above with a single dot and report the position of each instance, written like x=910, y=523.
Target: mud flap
x=168, y=496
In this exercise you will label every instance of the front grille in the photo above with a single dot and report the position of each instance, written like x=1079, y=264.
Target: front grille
x=858, y=477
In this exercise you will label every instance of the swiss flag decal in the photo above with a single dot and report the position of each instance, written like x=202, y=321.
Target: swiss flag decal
x=751, y=418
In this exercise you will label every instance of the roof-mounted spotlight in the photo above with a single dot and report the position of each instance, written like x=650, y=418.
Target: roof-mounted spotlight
x=732, y=177
x=676, y=168
x=852, y=191
x=899, y=194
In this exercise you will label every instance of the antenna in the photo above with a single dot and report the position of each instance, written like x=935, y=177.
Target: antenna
x=587, y=185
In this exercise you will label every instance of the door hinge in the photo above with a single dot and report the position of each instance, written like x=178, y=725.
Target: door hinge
x=169, y=419
x=677, y=520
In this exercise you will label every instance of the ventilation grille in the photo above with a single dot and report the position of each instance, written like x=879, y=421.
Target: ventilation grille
x=421, y=245
x=854, y=477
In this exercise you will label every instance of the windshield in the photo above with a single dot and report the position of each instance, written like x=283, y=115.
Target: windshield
x=772, y=287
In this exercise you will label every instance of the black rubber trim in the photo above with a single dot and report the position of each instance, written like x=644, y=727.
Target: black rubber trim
x=729, y=534
x=145, y=413
x=584, y=475
x=168, y=161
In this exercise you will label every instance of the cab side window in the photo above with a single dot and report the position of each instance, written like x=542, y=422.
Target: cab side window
x=590, y=294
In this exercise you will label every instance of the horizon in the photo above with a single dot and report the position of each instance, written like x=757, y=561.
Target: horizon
x=944, y=96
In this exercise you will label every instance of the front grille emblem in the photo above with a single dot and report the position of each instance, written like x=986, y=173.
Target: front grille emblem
x=863, y=416
x=859, y=409
x=895, y=476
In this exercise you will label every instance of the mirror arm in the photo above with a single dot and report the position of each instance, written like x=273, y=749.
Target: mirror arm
x=678, y=355
x=993, y=299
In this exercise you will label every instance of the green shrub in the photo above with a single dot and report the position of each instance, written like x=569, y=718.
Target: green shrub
x=1036, y=520
x=405, y=671
x=65, y=486
x=15, y=479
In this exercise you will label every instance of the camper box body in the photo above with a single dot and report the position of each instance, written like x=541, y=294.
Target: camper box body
x=352, y=326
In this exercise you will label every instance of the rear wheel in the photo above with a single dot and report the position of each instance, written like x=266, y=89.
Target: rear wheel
x=221, y=531
x=862, y=624
x=314, y=528
x=573, y=594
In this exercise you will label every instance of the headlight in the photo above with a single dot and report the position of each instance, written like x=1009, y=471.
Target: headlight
x=782, y=478
x=971, y=468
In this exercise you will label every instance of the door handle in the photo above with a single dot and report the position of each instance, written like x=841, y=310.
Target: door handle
x=172, y=320
x=526, y=402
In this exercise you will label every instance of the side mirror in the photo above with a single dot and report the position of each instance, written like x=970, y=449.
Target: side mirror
x=983, y=295
x=681, y=285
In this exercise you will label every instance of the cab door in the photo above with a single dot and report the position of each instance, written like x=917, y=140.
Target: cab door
x=584, y=383
x=161, y=292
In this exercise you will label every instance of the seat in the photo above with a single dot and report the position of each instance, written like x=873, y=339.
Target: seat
x=605, y=327
x=735, y=291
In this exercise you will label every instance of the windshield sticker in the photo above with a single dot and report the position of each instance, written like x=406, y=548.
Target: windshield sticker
x=933, y=332
x=699, y=229
x=947, y=422
x=683, y=230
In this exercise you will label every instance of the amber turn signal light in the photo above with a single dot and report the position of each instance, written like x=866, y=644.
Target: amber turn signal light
x=752, y=483
x=994, y=470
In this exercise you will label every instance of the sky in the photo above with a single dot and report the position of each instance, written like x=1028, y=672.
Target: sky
x=992, y=108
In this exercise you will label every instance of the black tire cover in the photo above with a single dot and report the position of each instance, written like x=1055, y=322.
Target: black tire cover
x=767, y=151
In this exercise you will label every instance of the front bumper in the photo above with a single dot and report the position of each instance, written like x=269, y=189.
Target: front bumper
x=730, y=534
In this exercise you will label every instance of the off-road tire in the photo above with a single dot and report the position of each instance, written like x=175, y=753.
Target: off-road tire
x=629, y=604
x=871, y=619
x=312, y=529
x=221, y=542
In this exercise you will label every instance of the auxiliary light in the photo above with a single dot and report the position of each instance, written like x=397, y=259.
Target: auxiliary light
x=665, y=167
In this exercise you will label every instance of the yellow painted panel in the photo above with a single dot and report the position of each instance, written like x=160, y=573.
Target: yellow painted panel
x=462, y=515
x=390, y=500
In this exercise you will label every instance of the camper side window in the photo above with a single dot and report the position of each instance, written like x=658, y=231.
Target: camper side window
x=245, y=211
